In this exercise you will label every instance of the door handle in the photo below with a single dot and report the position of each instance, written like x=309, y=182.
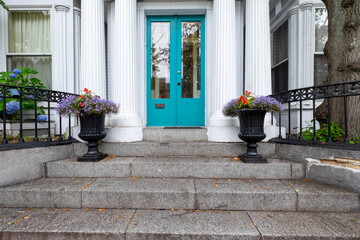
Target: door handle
x=179, y=72
x=179, y=84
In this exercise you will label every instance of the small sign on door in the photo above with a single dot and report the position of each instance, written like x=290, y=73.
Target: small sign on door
x=158, y=105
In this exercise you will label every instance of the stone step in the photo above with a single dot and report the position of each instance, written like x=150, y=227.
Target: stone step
x=149, y=149
x=176, y=167
x=185, y=134
x=180, y=193
x=59, y=224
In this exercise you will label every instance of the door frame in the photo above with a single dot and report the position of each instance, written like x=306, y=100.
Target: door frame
x=175, y=41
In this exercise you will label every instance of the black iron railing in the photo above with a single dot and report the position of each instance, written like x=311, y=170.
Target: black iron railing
x=314, y=96
x=31, y=103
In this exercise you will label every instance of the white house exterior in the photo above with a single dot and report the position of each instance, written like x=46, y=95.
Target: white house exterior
x=162, y=60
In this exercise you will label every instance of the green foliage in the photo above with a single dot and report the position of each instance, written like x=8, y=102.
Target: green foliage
x=322, y=134
x=23, y=79
x=4, y=5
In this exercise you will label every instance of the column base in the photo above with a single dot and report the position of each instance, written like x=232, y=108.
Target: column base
x=123, y=134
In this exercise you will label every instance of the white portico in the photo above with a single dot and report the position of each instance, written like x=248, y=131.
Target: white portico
x=128, y=57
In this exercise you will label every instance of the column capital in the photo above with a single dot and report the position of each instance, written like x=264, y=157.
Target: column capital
x=293, y=11
x=306, y=6
x=62, y=8
x=77, y=11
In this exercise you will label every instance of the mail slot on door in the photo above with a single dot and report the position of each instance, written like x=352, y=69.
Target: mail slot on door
x=159, y=105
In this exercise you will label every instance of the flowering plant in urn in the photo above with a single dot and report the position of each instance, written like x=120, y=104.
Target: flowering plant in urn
x=251, y=111
x=85, y=104
x=92, y=111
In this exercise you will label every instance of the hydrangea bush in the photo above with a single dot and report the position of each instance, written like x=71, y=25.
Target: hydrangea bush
x=248, y=101
x=87, y=103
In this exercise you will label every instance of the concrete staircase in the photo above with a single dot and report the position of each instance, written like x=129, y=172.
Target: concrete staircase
x=178, y=196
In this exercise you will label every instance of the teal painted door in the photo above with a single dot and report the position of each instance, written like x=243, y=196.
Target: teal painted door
x=175, y=71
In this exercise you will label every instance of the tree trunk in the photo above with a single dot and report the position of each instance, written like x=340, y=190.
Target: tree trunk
x=343, y=55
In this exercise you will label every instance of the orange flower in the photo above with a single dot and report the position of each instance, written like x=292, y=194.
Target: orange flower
x=245, y=101
x=81, y=96
x=86, y=90
x=82, y=104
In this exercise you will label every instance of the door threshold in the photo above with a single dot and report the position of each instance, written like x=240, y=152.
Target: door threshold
x=183, y=127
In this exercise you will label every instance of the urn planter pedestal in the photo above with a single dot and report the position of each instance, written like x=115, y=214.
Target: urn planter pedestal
x=251, y=132
x=92, y=130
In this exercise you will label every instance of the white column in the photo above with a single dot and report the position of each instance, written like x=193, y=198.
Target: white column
x=293, y=47
x=224, y=85
x=60, y=57
x=77, y=48
x=306, y=71
x=257, y=47
x=127, y=125
x=3, y=38
x=93, y=73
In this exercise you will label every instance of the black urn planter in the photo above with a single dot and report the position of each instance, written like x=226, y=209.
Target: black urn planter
x=251, y=131
x=92, y=130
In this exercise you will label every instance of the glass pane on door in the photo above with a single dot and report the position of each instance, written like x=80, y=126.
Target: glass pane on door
x=160, y=60
x=191, y=59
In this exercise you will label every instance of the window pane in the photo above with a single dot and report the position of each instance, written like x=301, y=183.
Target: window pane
x=280, y=44
x=321, y=29
x=29, y=32
x=41, y=64
x=160, y=60
x=280, y=75
x=191, y=59
x=320, y=69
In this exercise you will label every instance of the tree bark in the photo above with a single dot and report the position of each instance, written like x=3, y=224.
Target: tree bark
x=343, y=55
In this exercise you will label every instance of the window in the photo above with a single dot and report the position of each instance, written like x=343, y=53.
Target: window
x=29, y=43
x=279, y=72
x=283, y=3
x=272, y=13
x=321, y=36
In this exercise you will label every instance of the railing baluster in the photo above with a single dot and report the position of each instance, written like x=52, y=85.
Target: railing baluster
x=300, y=136
x=280, y=136
x=289, y=116
x=4, y=91
x=21, y=139
x=329, y=120
x=314, y=119
x=346, y=140
x=49, y=139
x=60, y=123
x=36, y=139
x=70, y=137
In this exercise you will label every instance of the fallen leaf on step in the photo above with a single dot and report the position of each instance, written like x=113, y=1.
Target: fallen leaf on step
x=133, y=178
x=60, y=227
x=216, y=185
x=65, y=209
x=254, y=187
x=269, y=216
x=265, y=188
x=254, y=223
x=101, y=209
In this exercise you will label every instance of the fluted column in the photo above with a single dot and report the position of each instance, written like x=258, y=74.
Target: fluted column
x=3, y=38
x=123, y=81
x=62, y=78
x=77, y=48
x=257, y=45
x=307, y=53
x=225, y=59
x=293, y=47
x=93, y=73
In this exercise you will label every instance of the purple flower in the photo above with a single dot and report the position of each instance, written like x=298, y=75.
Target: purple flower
x=12, y=75
x=17, y=71
x=229, y=108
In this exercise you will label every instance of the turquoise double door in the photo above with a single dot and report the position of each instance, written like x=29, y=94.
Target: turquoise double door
x=175, y=71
